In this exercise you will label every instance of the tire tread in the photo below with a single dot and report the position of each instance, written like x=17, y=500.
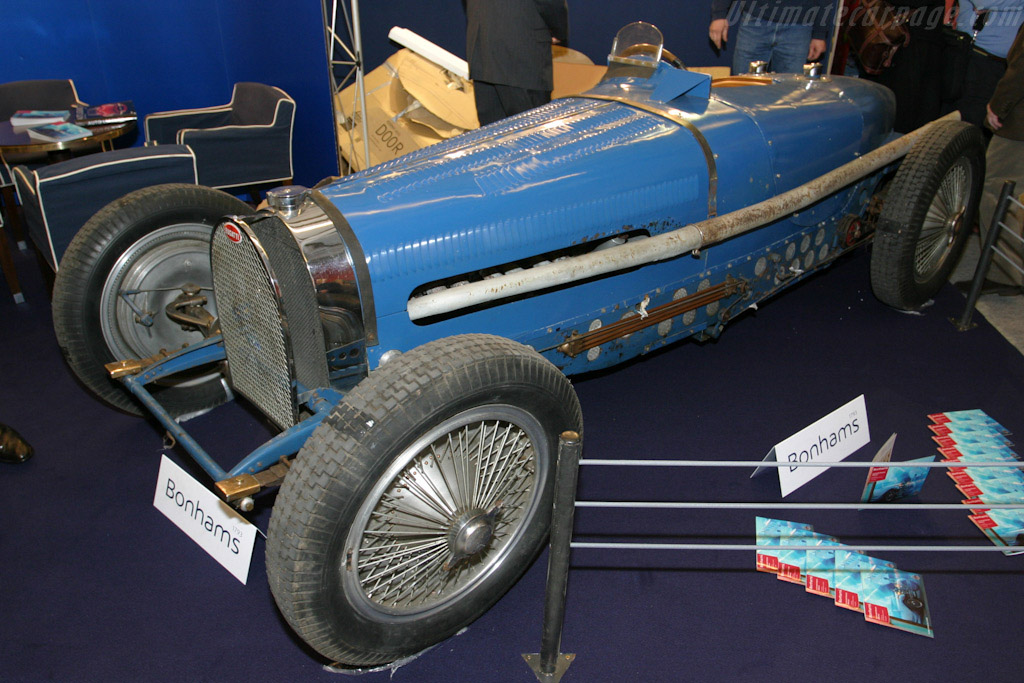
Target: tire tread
x=907, y=203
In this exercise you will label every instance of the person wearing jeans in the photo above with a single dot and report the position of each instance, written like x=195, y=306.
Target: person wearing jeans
x=784, y=33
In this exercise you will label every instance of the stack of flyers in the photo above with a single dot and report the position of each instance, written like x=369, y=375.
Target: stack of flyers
x=768, y=533
x=968, y=436
x=896, y=598
x=855, y=581
x=1003, y=527
x=987, y=481
x=793, y=563
x=852, y=569
x=966, y=418
x=972, y=438
x=821, y=570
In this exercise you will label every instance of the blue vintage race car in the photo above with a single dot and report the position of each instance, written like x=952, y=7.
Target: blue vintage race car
x=409, y=328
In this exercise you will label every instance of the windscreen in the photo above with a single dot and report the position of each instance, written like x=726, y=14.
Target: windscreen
x=638, y=44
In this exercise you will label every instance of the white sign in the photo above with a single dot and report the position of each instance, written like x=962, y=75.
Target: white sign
x=831, y=439
x=206, y=519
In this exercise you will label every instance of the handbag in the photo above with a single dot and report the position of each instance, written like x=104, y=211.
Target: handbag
x=874, y=31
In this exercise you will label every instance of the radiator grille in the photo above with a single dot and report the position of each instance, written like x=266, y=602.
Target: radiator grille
x=251, y=320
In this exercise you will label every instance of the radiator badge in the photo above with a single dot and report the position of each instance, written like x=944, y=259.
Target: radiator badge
x=233, y=232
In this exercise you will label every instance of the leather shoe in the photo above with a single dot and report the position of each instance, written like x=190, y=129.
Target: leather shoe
x=990, y=287
x=13, y=448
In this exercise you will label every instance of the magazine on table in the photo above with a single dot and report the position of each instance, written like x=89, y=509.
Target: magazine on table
x=889, y=484
x=1005, y=528
x=59, y=132
x=24, y=118
x=106, y=114
x=821, y=570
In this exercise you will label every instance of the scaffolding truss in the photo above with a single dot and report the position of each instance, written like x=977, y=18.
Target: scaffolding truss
x=345, y=68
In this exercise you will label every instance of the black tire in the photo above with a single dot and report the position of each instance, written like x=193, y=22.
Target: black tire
x=155, y=239
x=928, y=213
x=408, y=419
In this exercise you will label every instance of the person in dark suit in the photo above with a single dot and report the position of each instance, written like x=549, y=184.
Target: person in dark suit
x=508, y=47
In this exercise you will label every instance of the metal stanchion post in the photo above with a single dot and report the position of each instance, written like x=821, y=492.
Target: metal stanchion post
x=550, y=664
x=985, y=260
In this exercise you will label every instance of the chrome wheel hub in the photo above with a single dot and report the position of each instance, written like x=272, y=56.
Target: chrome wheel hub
x=150, y=275
x=470, y=535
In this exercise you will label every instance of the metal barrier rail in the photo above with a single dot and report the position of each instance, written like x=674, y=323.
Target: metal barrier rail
x=550, y=663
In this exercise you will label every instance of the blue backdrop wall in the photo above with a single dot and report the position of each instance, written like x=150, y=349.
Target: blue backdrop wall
x=178, y=55
x=189, y=53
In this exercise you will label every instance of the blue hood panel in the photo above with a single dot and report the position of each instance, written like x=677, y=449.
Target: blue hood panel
x=582, y=169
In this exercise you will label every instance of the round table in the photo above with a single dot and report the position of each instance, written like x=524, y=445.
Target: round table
x=18, y=140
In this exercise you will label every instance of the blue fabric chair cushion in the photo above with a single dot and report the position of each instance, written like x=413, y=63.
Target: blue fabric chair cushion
x=162, y=128
x=240, y=156
x=59, y=199
x=244, y=143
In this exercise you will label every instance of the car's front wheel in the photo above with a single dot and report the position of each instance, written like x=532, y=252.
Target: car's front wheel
x=420, y=500
x=132, y=259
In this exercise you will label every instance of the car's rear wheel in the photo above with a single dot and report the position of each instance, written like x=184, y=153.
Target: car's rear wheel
x=928, y=213
x=122, y=269
x=420, y=500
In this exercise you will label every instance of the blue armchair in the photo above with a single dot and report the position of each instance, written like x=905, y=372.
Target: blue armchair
x=58, y=93
x=244, y=143
x=59, y=198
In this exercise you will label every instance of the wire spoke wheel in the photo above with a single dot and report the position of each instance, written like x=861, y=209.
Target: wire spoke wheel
x=420, y=500
x=441, y=517
x=944, y=221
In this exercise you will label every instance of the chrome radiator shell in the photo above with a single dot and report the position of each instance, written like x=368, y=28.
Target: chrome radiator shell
x=273, y=338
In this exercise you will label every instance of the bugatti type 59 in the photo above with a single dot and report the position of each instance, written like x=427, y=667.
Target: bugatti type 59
x=408, y=329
